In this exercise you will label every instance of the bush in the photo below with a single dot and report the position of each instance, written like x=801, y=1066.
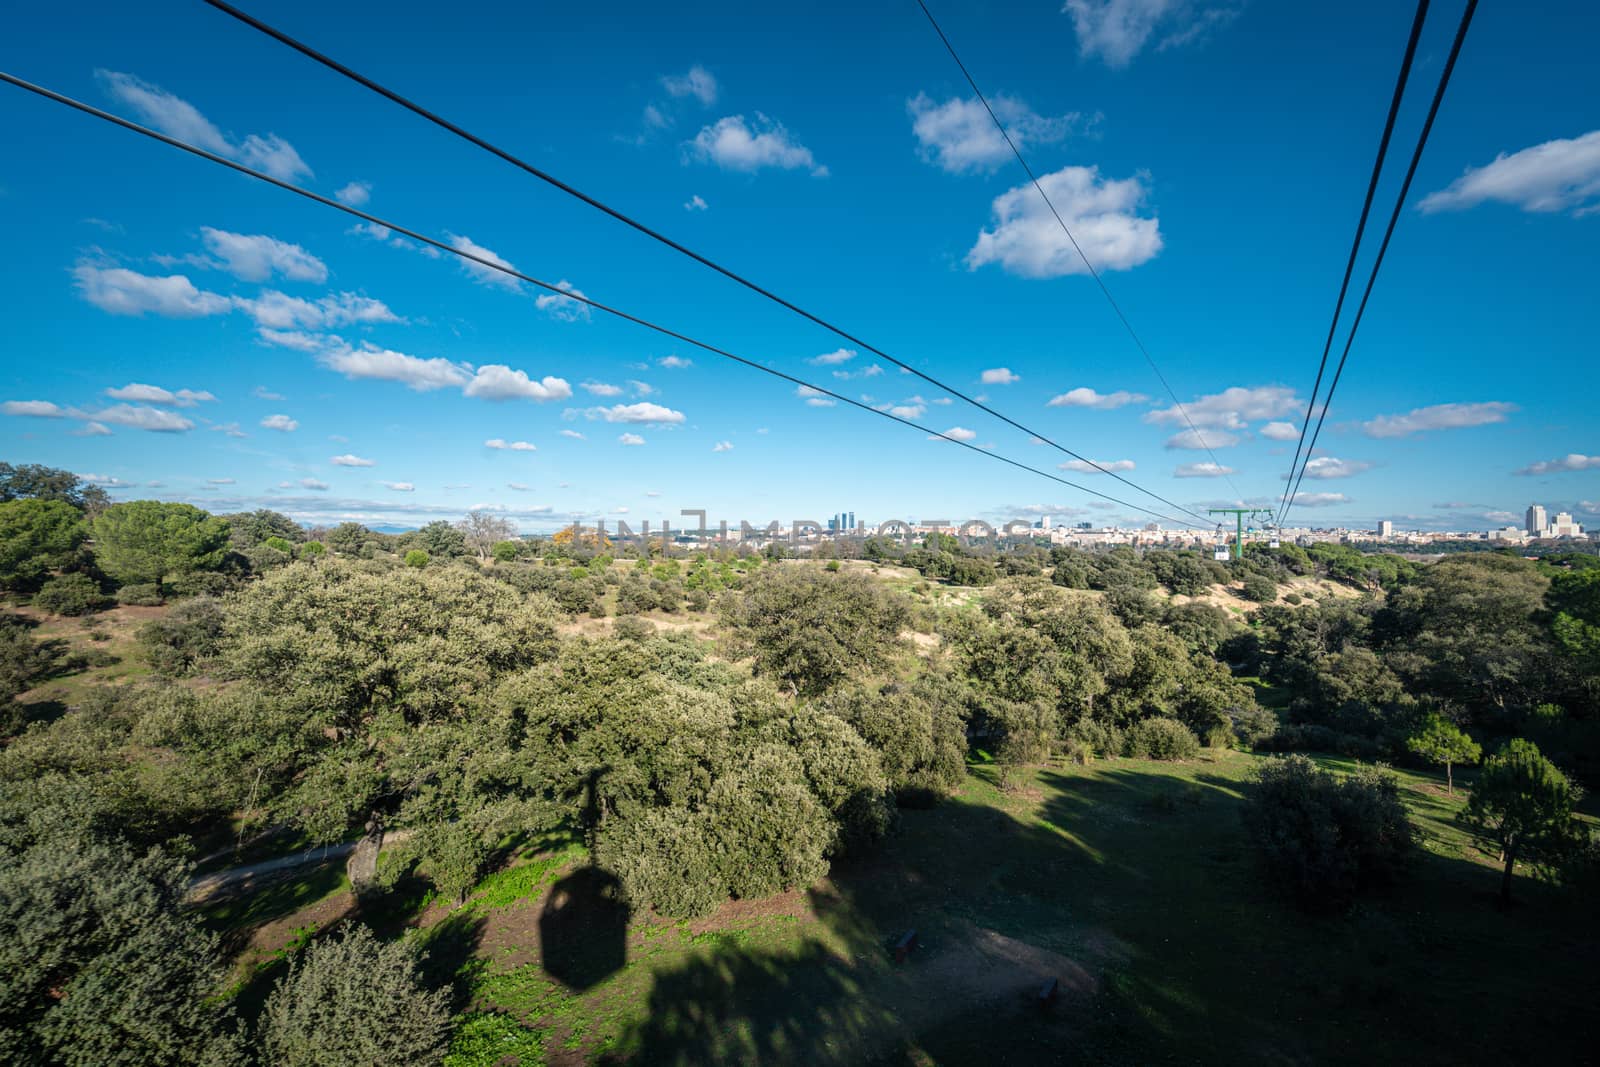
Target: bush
x=1260, y=588
x=140, y=595
x=698, y=600
x=200, y=583
x=504, y=551
x=71, y=594
x=313, y=549
x=1323, y=837
x=417, y=558
x=1253, y=725
x=1161, y=739
x=1092, y=738
x=190, y=634
x=633, y=628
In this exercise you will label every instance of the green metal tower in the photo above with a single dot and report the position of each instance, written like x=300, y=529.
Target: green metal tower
x=1238, y=516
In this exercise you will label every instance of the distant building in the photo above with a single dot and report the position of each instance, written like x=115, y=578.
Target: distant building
x=1385, y=529
x=1564, y=526
x=1537, y=520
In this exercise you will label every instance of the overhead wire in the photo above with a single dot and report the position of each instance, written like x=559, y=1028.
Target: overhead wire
x=727, y=272
x=1355, y=245
x=1093, y=272
x=512, y=272
x=1394, y=217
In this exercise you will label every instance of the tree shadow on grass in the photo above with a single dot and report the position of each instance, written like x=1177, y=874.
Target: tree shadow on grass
x=583, y=928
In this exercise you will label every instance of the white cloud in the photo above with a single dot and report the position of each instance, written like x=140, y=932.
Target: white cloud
x=219, y=481
x=674, y=362
x=229, y=428
x=274, y=311
x=261, y=392
x=869, y=371
x=1571, y=462
x=642, y=412
x=382, y=364
x=495, y=381
x=1118, y=30
x=1280, y=431
x=106, y=481
x=907, y=411
x=177, y=117
x=734, y=144
x=512, y=446
x=142, y=418
x=601, y=388
x=814, y=397
x=1324, y=467
x=563, y=308
x=154, y=394
x=355, y=194
x=38, y=409
x=641, y=388
x=958, y=433
x=574, y=434
x=1554, y=176
x=1230, y=409
x=480, y=272
x=1438, y=417
x=93, y=429
x=348, y=460
x=631, y=439
x=400, y=487
x=313, y=484
x=959, y=136
x=1084, y=397
x=1000, y=376
x=698, y=83
x=257, y=257
x=298, y=340
x=1201, y=470
x=519, y=487
x=1085, y=467
x=1320, y=500
x=1029, y=242
x=722, y=446
x=125, y=292
x=1197, y=439
x=281, y=423
x=828, y=359
x=696, y=203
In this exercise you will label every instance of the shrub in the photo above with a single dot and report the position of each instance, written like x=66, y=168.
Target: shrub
x=191, y=633
x=313, y=549
x=832, y=565
x=1253, y=725
x=200, y=583
x=1161, y=739
x=71, y=594
x=1095, y=738
x=141, y=595
x=698, y=600
x=282, y=544
x=1260, y=588
x=633, y=628
x=504, y=551
x=1323, y=837
x=416, y=558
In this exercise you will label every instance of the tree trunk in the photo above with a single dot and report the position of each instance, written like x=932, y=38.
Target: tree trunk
x=362, y=867
x=1449, y=779
x=1505, y=880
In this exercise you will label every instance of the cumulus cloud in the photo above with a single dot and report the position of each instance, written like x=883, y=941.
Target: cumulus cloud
x=959, y=136
x=355, y=193
x=512, y=446
x=1558, y=175
x=601, y=388
x=135, y=417
x=277, y=315
x=314, y=485
x=281, y=423
x=829, y=359
x=1117, y=30
x=564, y=308
x=496, y=381
x=229, y=428
x=38, y=409
x=1201, y=470
x=674, y=362
x=722, y=446
x=1084, y=466
x=1320, y=500
x=400, y=487
x=907, y=411
x=734, y=144
x=1571, y=462
x=957, y=433
x=1084, y=397
x=382, y=364
x=1230, y=409
x=257, y=257
x=219, y=481
x=348, y=460
x=696, y=203
x=643, y=412
x=172, y=115
x=154, y=394
x=630, y=439
x=999, y=376
x=698, y=83
x=1438, y=417
x=1028, y=241
x=1324, y=467
x=479, y=271
x=1202, y=439
x=125, y=292
x=1280, y=431
x=814, y=397
x=641, y=388
x=574, y=434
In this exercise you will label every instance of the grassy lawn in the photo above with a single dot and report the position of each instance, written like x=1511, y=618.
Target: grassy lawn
x=1128, y=881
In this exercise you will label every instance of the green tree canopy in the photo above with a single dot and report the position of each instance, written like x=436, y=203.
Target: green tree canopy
x=1522, y=806
x=37, y=536
x=1442, y=741
x=148, y=541
x=35, y=481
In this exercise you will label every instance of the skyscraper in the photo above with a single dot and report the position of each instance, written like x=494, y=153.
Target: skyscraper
x=1537, y=520
x=1385, y=528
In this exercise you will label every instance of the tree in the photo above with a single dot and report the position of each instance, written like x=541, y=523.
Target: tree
x=1441, y=741
x=248, y=529
x=147, y=541
x=352, y=999
x=37, y=482
x=483, y=531
x=439, y=539
x=348, y=538
x=417, y=558
x=1522, y=806
x=1260, y=588
x=36, y=537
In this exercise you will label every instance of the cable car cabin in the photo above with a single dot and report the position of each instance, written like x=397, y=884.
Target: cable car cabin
x=1220, y=553
x=1273, y=542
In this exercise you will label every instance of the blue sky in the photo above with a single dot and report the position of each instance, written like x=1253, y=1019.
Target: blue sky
x=1211, y=157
